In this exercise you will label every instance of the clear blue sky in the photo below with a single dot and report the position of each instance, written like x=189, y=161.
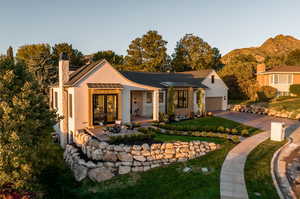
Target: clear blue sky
x=93, y=25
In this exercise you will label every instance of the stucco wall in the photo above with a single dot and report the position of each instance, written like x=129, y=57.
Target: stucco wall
x=216, y=89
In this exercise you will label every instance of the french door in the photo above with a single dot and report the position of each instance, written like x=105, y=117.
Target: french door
x=105, y=108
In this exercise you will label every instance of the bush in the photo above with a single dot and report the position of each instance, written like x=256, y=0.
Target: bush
x=235, y=138
x=295, y=89
x=221, y=129
x=266, y=93
x=245, y=132
x=234, y=131
x=131, y=138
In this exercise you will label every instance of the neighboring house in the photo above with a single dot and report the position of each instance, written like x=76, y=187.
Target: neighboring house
x=278, y=77
x=97, y=93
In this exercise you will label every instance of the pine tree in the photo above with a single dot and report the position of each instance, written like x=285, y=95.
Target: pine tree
x=25, y=126
x=9, y=53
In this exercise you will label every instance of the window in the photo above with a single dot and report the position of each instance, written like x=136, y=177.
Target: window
x=281, y=79
x=56, y=100
x=149, y=97
x=70, y=106
x=161, y=97
x=212, y=79
x=181, y=99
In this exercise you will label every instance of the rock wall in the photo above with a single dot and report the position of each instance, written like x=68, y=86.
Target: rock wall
x=101, y=161
x=264, y=111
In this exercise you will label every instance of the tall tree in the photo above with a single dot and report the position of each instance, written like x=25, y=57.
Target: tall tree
x=148, y=53
x=76, y=57
x=10, y=53
x=193, y=53
x=38, y=60
x=25, y=126
x=240, y=76
x=110, y=56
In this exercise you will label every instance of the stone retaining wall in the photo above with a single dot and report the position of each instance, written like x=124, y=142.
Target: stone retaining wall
x=101, y=161
x=264, y=111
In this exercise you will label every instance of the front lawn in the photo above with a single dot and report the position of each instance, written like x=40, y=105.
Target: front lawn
x=209, y=123
x=289, y=104
x=168, y=182
x=257, y=171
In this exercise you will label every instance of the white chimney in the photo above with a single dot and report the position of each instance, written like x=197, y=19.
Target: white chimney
x=63, y=76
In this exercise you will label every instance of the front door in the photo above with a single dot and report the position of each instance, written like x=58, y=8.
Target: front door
x=105, y=108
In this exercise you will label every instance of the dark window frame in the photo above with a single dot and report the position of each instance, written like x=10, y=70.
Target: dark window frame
x=56, y=100
x=149, y=97
x=161, y=97
x=182, y=98
x=212, y=79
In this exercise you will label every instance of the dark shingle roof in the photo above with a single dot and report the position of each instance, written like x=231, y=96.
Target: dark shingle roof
x=105, y=85
x=285, y=69
x=192, y=78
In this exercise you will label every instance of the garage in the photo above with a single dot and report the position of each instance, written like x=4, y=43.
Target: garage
x=214, y=103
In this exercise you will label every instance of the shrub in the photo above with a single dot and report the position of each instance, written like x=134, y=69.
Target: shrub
x=221, y=129
x=245, y=132
x=234, y=131
x=295, y=89
x=235, y=138
x=228, y=130
x=266, y=93
x=131, y=138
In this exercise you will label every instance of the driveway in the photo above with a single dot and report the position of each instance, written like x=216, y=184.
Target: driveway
x=259, y=121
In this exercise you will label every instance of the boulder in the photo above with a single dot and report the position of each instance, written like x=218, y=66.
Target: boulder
x=80, y=172
x=100, y=174
x=139, y=158
x=146, y=147
x=124, y=157
x=102, y=145
x=110, y=156
x=124, y=169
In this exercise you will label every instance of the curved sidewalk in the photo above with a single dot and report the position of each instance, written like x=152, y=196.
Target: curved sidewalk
x=232, y=182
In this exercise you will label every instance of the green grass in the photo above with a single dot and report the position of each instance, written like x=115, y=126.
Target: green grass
x=213, y=122
x=257, y=170
x=168, y=182
x=289, y=104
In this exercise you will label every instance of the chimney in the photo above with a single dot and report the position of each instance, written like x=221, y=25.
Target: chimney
x=63, y=73
x=260, y=68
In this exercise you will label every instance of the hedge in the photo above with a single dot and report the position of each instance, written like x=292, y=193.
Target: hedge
x=295, y=89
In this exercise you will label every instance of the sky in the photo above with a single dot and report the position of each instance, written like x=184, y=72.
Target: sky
x=94, y=25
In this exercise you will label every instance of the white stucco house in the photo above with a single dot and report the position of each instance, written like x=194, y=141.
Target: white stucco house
x=97, y=93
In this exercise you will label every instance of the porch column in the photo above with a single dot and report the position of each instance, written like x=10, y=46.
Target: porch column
x=155, y=104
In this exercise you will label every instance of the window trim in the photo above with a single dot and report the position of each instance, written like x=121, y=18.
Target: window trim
x=289, y=77
x=161, y=97
x=149, y=100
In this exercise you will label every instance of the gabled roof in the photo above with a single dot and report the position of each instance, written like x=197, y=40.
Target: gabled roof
x=284, y=69
x=156, y=79
x=153, y=79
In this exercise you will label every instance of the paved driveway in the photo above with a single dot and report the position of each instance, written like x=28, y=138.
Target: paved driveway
x=259, y=121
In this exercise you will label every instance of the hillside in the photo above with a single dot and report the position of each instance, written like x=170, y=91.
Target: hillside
x=279, y=45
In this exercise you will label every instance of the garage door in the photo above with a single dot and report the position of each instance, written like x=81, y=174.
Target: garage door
x=213, y=103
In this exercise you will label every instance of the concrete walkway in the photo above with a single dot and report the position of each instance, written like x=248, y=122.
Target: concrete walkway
x=232, y=182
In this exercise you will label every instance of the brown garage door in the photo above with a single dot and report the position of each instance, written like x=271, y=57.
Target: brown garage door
x=213, y=103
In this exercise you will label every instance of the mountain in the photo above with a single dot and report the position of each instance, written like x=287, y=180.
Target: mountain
x=277, y=46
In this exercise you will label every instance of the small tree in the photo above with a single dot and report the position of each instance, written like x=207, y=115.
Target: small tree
x=171, y=105
x=295, y=89
x=200, y=103
x=10, y=53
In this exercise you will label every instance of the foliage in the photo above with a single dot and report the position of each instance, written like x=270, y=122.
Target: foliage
x=266, y=93
x=200, y=103
x=240, y=76
x=131, y=138
x=148, y=53
x=110, y=56
x=10, y=53
x=293, y=58
x=257, y=170
x=171, y=104
x=245, y=132
x=38, y=61
x=25, y=126
x=193, y=53
x=75, y=56
x=163, y=117
x=295, y=89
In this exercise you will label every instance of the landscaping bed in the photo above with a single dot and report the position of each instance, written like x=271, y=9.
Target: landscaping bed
x=258, y=172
